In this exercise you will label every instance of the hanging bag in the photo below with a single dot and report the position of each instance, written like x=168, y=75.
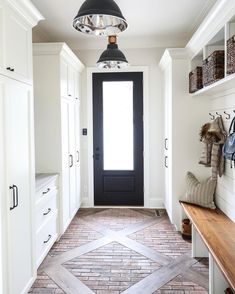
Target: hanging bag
x=229, y=145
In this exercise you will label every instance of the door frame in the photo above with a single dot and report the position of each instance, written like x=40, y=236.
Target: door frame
x=90, y=188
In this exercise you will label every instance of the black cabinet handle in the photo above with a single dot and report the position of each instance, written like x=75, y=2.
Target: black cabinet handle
x=45, y=192
x=14, y=202
x=166, y=140
x=71, y=160
x=10, y=69
x=166, y=165
x=46, y=241
x=77, y=156
x=17, y=195
x=69, y=95
x=48, y=211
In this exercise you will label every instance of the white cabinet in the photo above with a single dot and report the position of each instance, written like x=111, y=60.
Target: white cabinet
x=19, y=184
x=183, y=118
x=57, y=128
x=46, y=214
x=18, y=266
x=16, y=41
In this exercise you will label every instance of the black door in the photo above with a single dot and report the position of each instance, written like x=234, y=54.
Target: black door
x=118, y=138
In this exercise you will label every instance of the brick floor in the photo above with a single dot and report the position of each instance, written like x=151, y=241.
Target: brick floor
x=111, y=267
x=76, y=235
x=181, y=286
x=163, y=238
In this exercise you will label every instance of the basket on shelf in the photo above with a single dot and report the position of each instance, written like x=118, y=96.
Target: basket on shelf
x=213, y=68
x=195, y=79
x=231, y=55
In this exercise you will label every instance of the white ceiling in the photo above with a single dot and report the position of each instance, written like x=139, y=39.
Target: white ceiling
x=151, y=22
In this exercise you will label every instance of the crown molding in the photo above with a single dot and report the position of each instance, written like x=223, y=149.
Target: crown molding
x=28, y=11
x=61, y=49
x=220, y=13
x=172, y=54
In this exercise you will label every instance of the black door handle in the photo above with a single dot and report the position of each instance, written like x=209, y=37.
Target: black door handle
x=71, y=160
x=12, y=188
x=166, y=140
x=96, y=156
x=77, y=156
x=166, y=165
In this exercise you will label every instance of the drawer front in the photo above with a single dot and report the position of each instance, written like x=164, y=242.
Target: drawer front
x=46, y=190
x=46, y=237
x=46, y=208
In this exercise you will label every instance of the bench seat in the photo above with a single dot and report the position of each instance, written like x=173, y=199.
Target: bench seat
x=218, y=233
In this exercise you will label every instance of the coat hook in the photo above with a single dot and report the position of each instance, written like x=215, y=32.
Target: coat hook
x=218, y=114
x=212, y=116
x=227, y=115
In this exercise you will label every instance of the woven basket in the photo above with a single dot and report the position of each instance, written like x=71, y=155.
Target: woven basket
x=195, y=79
x=213, y=68
x=231, y=55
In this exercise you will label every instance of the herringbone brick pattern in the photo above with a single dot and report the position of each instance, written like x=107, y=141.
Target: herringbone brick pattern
x=113, y=251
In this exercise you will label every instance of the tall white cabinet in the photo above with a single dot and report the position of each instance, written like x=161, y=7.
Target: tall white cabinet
x=17, y=267
x=57, y=128
x=183, y=117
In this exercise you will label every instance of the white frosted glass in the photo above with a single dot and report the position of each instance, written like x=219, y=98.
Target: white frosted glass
x=118, y=125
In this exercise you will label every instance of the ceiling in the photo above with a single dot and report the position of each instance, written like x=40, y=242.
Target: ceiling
x=152, y=23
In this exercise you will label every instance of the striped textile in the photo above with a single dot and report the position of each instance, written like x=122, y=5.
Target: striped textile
x=200, y=193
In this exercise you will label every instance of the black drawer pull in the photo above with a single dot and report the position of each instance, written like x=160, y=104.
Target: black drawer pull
x=12, y=69
x=15, y=196
x=49, y=237
x=8, y=68
x=166, y=140
x=45, y=192
x=14, y=199
x=48, y=211
x=71, y=160
x=166, y=159
x=77, y=156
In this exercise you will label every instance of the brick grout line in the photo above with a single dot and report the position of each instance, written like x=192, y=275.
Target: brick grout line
x=67, y=281
x=162, y=276
x=196, y=277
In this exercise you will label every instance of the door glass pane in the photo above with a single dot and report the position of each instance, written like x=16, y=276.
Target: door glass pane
x=118, y=125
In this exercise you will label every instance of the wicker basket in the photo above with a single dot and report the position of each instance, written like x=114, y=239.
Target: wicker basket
x=231, y=55
x=195, y=79
x=213, y=68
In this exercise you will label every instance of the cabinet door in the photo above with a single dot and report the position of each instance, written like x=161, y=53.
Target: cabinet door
x=64, y=77
x=66, y=162
x=17, y=46
x=78, y=153
x=71, y=81
x=19, y=150
x=72, y=154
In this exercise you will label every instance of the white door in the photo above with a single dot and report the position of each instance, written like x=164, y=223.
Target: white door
x=66, y=162
x=18, y=101
x=18, y=48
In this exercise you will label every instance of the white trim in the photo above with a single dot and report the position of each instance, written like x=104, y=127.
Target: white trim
x=221, y=13
x=90, y=70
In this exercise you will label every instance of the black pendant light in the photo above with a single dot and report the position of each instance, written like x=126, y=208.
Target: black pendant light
x=100, y=17
x=112, y=57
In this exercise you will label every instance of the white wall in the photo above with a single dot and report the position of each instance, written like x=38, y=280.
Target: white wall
x=225, y=192
x=136, y=57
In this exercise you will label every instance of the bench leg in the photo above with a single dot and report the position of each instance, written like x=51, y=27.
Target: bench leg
x=198, y=247
x=217, y=282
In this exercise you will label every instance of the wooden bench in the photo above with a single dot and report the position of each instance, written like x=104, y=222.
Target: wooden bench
x=214, y=231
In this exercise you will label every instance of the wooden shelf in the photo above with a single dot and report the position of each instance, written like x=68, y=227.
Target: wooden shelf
x=224, y=84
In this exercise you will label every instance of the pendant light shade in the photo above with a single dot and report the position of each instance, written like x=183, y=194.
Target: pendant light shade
x=100, y=17
x=112, y=57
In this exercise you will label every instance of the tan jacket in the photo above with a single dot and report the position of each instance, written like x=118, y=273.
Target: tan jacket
x=213, y=137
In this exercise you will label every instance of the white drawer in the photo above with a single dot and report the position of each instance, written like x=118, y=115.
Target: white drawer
x=46, y=237
x=46, y=190
x=46, y=208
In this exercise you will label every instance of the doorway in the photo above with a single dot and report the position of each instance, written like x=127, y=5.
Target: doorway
x=118, y=138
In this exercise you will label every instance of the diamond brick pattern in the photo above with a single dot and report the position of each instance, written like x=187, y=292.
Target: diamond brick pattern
x=111, y=268
x=113, y=251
